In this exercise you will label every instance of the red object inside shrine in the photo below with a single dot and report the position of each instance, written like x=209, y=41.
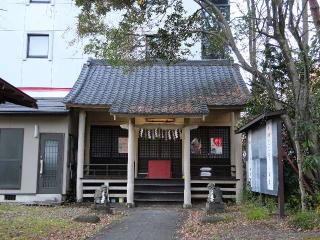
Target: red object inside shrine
x=159, y=169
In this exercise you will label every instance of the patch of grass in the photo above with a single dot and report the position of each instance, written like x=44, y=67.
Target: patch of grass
x=271, y=204
x=254, y=213
x=30, y=227
x=305, y=220
x=20, y=222
x=6, y=208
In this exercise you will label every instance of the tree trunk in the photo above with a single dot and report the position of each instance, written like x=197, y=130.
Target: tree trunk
x=315, y=145
x=299, y=156
x=305, y=25
x=252, y=35
x=315, y=12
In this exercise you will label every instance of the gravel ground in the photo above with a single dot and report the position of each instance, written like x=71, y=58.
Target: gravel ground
x=237, y=227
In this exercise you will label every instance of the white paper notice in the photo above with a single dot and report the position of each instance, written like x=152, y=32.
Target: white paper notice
x=250, y=157
x=269, y=155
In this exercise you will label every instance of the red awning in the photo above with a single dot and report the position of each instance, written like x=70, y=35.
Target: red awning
x=9, y=93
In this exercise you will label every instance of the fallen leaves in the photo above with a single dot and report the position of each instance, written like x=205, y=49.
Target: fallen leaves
x=53, y=223
x=236, y=226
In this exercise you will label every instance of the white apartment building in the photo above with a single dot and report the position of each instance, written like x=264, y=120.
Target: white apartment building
x=39, y=50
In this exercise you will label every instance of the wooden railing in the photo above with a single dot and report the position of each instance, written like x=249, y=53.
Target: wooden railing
x=105, y=170
x=120, y=170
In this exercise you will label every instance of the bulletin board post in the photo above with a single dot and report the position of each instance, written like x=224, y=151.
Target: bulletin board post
x=280, y=171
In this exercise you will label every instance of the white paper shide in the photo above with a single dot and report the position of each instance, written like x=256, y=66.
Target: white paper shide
x=269, y=155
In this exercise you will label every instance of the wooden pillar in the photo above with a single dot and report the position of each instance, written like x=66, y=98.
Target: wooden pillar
x=280, y=171
x=239, y=167
x=136, y=146
x=186, y=167
x=80, y=156
x=131, y=157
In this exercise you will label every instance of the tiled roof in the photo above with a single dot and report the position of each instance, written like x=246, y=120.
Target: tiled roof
x=45, y=106
x=186, y=88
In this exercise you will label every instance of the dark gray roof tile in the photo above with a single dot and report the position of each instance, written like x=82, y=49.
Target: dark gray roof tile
x=45, y=106
x=186, y=88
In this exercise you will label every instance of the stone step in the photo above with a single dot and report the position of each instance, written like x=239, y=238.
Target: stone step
x=159, y=192
x=159, y=188
x=158, y=196
x=159, y=200
x=163, y=182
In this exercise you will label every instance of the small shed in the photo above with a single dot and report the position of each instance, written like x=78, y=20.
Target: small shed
x=265, y=154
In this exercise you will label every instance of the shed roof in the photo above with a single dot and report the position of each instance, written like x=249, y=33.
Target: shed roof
x=46, y=106
x=260, y=119
x=9, y=93
x=186, y=88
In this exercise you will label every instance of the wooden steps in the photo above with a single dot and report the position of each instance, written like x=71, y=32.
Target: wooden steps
x=158, y=190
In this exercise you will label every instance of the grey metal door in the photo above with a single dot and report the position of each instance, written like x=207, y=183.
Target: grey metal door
x=50, y=163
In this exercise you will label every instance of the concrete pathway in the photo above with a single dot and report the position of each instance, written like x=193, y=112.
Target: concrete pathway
x=152, y=223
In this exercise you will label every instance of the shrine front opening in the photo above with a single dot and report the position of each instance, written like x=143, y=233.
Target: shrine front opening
x=160, y=154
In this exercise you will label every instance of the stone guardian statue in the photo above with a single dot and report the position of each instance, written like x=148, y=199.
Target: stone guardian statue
x=214, y=202
x=101, y=199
